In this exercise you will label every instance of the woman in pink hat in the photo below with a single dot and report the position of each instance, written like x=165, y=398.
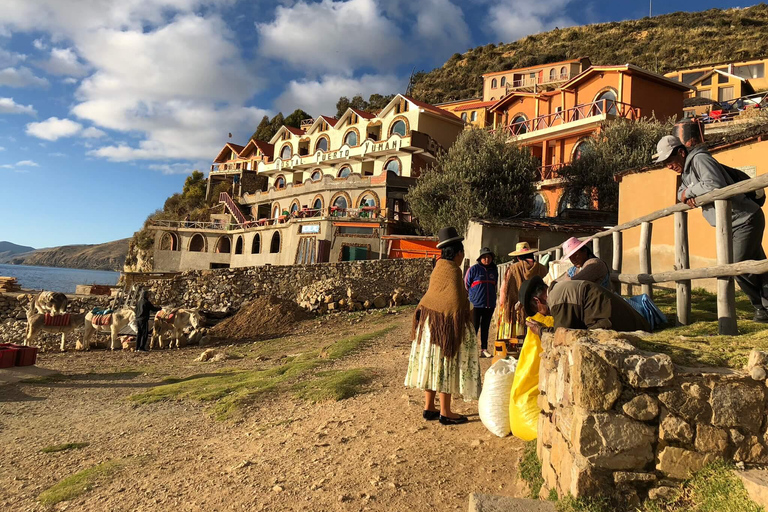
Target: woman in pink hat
x=586, y=266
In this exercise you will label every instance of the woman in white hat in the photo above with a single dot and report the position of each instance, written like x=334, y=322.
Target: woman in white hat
x=586, y=266
x=526, y=267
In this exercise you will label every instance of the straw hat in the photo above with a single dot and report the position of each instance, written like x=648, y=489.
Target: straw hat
x=572, y=245
x=522, y=248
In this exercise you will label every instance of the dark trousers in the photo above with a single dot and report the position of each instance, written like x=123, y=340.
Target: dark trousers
x=142, y=333
x=482, y=321
x=748, y=245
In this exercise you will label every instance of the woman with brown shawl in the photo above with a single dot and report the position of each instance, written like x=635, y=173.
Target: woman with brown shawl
x=444, y=355
x=526, y=267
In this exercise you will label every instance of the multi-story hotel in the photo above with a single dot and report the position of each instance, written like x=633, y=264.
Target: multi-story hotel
x=332, y=190
x=723, y=81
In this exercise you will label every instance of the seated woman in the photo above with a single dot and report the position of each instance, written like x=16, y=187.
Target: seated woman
x=586, y=266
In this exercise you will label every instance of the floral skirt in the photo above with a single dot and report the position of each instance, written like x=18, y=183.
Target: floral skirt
x=429, y=370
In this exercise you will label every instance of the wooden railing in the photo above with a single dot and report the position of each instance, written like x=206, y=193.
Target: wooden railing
x=724, y=271
x=610, y=107
x=549, y=172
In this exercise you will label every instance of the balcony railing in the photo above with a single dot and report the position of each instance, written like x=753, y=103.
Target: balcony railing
x=532, y=82
x=549, y=172
x=609, y=107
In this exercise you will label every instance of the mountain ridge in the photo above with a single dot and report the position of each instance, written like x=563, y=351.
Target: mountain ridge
x=106, y=256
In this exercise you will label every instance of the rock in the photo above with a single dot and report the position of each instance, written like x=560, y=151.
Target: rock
x=738, y=404
x=367, y=304
x=757, y=373
x=207, y=355
x=595, y=383
x=756, y=483
x=649, y=372
x=679, y=463
x=687, y=406
x=663, y=493
x=277, y=488
x=475, y=443
x=752, y=450
x=642, y=408
x=674, y=429
x=757, y=358
x=612, y=441
x=380, y=302
x=620, y=477
x=711, y=439
x=129, y=344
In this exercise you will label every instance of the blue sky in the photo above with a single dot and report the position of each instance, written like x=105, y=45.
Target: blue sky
x=106, y=105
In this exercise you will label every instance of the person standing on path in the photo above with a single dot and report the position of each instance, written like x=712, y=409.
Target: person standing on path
x=481, y=281
x=526, y=267
x=443, y=355
x=701, y=173
x=144, y=308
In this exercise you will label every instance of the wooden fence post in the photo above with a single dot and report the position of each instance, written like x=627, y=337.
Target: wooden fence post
x=646, y=230
x=596, y=247
x=726, y=288
x=617, y=255
x=558, y=253
x=682, y=262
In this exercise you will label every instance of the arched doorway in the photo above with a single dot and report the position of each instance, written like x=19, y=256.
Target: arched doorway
x=197, y=243
x=239, y=245
x=274, y=246
x=169, y=242
x=256, y=245
x=606, y=102
x=223, y=245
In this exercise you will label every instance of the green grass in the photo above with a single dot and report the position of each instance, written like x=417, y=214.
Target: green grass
x=231, y=390
x=63, y=447
x=713, y=489
x=79, y=483
x=530, y=469
x=571, y=504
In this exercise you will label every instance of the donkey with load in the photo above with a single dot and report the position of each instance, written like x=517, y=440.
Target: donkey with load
x=174, y=321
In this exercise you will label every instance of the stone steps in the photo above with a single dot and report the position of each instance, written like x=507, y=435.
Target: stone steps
x=756, y=483
x=493, y=503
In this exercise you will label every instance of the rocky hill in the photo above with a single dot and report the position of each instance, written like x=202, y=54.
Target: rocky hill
x=107, y=256
x=8, y=249
x=662, y=43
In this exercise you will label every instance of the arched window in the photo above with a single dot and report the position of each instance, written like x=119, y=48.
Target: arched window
x=493, y=99
x=316, y=176
x=579, y=149
x=341, y=202
x=345, y=171
x=322, y=144
x=350, y=139
x=294, y=207
x=169, y=242
x=609, y=105
x=367, y=199
x=239, y=245
x=285, y=153
x=280, y=182
x=197, y=243
x=464, y=116
x=399, y=128
x=474, y=116
x=256, y=245
x=317, y=204
x=563, y=72
x=275, y=211
x=224, y=245
x=274, y=246
x=519, y=125
x=393, y=165
x=503, y=81
x=552, y=75
x=582, y=203
x=539, y=206
x=494, y=84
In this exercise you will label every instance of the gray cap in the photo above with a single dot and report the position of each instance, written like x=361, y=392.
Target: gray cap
x=665, y=147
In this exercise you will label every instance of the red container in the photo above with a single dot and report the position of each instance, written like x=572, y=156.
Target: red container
x=25, y=356
x=7, y=357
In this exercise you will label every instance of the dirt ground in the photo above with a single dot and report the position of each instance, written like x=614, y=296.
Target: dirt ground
x=370, y=452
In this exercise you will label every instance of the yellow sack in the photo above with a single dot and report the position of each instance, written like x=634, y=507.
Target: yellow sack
x=523, y=410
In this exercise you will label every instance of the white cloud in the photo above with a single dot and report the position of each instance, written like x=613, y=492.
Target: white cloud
x=93, y=133
x=69, y=81
x=27, y=163
x=180, y=167
x=54, y=128
x=320, y=96
x=440, y=24
x=512, y=19
x=63, y=62
x=39, y=44
x=2, y=148
x=57, y=154
x=8, y=106
x=9, y=58
x=333, y=36
x=20, y=77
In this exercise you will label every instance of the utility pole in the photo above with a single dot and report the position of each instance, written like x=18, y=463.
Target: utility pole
x=650, y=9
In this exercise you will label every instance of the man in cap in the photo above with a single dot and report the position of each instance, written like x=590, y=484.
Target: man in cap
x=701, y=173
x=481, y=280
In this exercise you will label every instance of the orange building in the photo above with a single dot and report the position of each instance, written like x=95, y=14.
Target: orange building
x=544, y=77
x=554, y=123
x=474, y=112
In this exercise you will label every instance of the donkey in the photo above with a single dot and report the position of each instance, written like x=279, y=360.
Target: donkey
x=175, y=320
x=118, y=319
x=58, y=325
x=50, y=302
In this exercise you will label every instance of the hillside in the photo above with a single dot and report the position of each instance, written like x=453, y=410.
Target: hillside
x=662, y=43
x=8, y=249
x=107, y=256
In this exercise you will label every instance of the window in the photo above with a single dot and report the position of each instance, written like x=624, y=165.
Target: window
x=316, y=176
x=350, y=139
x=197, y=243
x=285, y=153
x=256, y=245
x=239, y=245
x=464, y=117
x=474, y=116
x=539, y=206
x=519, y=125
x=552, y=75
x=725, y=94
x=579, y=149
x=399, y=128
x=707, y=81
x=493, y=84
x=503, y=81
x=345, y=171
x=493, y=99
x=169, y=242
x=707, y=95
x=367, y=200
x=224, y=245
x=722, y=79
x=750, y=71
x=322, y=144
x=318, y=204
x=393, y=166
x=341, y=202
x=563, y=72
x=294, y=207
x=276, y=211
x=609, y=105
x=280, y=182
x=274, y=246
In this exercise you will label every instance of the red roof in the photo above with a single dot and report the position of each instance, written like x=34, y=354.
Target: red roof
x=223, y=156
x=266, y=148
x=432, y=108
x=472, y=106
x=330, y=120
x=295, y=131
x=362, y=113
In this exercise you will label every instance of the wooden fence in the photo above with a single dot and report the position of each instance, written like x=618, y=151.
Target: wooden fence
x=724, y=271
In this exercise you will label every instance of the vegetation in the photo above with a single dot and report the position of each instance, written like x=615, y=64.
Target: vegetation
x=530, y=469
x=621, y=144
x=79, y=483
x=481, y=175
x=63, y=447
x=375, y=103
x=267, y=128
x=332, y=385
x=571, y=504
x=662, y=43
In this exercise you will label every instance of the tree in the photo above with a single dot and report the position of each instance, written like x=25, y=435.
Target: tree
x=263, y=131
x=481, y=176
x=621, y=144
x=295, y=118
x=375, y=103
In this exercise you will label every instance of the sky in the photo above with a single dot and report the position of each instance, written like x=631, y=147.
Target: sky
x=107, y=105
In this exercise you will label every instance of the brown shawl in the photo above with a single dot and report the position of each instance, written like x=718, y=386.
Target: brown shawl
x=446, y=306
x=516, y=274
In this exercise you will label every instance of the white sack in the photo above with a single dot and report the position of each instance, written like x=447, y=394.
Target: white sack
x=493, y=405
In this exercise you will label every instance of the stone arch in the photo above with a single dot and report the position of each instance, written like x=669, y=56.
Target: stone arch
x=315, y=200
x=169, y=242
x=283, y=155
x=239, y=245
x=338, y=195
x=392, y=160
x=327, y=144
x=223, y=245
x=274, y=246
x=368, y=194
x=198, y=243
x=256, y=244
x=357, y=137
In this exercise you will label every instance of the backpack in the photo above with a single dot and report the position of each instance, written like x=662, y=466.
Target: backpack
x=737, y=175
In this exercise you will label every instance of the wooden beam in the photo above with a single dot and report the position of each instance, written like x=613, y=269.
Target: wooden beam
x=682, y=262
x=731, y=270
x=617, y=256
x=596, y=246
x=646, y=231
x=726, y=289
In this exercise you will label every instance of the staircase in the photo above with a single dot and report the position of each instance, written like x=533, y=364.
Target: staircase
x=232, y=207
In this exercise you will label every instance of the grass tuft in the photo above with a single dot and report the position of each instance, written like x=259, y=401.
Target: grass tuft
x=79, y=483
x=332, y=385
x=63, y=447
x=571, y=504
x=530, y=469
x=343, y=348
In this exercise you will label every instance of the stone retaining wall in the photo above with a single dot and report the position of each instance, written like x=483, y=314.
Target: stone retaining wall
x=619, y=422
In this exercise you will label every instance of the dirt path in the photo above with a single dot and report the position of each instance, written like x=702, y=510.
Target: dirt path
x=369, y=452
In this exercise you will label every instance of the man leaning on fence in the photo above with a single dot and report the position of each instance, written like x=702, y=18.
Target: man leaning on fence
x=701, y=173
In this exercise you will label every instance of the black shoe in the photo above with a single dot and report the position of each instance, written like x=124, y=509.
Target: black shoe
x=761, y=316
x=444, y=420
x=431, y=415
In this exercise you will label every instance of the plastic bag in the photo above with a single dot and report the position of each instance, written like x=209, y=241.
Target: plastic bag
x=493, y=405
x=523, y=409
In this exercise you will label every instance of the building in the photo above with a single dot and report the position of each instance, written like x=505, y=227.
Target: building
x=555, y=123
x=328, y=191
x=723, y=81
x=541, y=78
x=474, y=112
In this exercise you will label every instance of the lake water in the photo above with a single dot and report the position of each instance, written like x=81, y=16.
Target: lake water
x=57, y=279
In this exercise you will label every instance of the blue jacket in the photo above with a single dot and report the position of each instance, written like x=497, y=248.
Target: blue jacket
x=481, y=284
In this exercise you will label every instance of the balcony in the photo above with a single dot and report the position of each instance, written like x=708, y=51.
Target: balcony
x=533, y=84
x=549, y=172
x=231, y=167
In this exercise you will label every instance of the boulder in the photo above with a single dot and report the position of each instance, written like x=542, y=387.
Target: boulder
x=649, y=372
x=380, y=302
x=752, y=450
x=757, y=373
x=683, y=404
x=738, y=404
x=680, y=464
x=612, y=441
x=711, y=439
x=663, y=493
x=596, y=385
x=757, y=358
x=642, y=407
x=675, y=429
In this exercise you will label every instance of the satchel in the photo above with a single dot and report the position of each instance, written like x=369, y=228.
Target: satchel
x=737, y=175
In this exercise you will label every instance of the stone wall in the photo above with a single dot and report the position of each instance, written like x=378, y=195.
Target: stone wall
x=224, y=288
x=619, y=422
